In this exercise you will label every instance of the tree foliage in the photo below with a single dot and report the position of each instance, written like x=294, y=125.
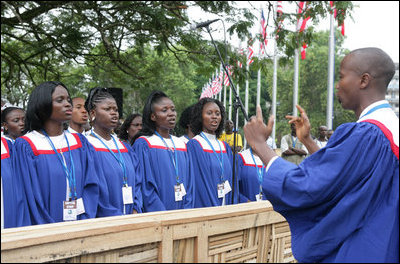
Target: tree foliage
x=141, y=46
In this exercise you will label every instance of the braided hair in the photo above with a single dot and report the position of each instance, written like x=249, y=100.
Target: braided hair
x=96, y=95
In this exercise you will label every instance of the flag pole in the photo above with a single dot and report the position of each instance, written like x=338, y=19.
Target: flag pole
x=275, y=77
x=295, y=81
x=331, y=73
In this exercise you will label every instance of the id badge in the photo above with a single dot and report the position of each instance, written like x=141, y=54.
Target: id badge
x=183, y=189
x=259, y=197
x=227, y=187
x=221, y=192
x=80, y=207
x=178, y=193
x=69, y=210
x=127, y=194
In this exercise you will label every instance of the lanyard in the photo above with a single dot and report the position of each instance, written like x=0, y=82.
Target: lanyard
x=69, y=173
x=174, y=161
x=294, y=141
x=259, y=170
x=376, y=108
x=120, y=160
x=221, y=161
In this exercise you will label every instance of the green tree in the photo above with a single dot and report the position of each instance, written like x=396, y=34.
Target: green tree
x=47, y=40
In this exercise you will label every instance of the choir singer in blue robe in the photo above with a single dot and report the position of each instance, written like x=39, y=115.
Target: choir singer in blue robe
x=168, y=182
x=342, y=202
x=118, y=167
x=211, y=158
x=56, y=166
x=14, y=211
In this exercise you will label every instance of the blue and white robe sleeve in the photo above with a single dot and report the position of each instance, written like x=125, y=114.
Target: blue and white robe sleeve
x=342, y=202
x=15, y=213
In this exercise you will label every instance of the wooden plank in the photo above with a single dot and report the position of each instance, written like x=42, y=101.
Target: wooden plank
x=240, y=253
x=139, y=257
x=224, y=248
x=201, y=245
x=220, y=234
x=224, y=242
x=229, y=235
x=166, y=246
x=75, y=247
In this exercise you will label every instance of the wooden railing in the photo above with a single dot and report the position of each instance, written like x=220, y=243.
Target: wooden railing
x=250, y=232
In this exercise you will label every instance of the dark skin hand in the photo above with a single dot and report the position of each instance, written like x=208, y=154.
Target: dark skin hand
x=257, y=132
x=303, y=127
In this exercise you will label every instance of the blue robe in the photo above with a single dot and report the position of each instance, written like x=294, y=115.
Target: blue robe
x=207, y=172
x=159, y=175
x=342, y=202
x=111, y=178
x=45, y=180
x=249, y=185
x=12, y=195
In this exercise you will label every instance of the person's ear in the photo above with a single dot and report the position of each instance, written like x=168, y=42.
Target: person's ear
x=365, y=80
x=153, y=117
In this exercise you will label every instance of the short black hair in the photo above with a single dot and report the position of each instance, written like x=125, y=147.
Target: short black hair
x=40, y=105
x=148, y=125
x=124, y=127
x=196, y=123
x=186, y=115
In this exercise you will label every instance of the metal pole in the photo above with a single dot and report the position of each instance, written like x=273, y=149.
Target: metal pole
x=295, y=81
x=274, y=80
x=331, y=74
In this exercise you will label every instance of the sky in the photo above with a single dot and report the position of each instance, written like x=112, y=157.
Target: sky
x=376, y=24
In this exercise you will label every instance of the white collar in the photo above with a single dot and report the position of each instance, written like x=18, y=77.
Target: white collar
x=210, y=136
x=372, y=106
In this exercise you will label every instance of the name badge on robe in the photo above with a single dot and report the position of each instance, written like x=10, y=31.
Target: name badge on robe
x=178, y=192
x=221, y=191
x=183, y=189
x=80, y=207
x=259, y=197
x=227, y=187
x=69, y=210
x=127, y=194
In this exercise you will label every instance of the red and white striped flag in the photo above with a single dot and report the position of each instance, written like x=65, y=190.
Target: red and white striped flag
x=303, y=51
x=264, y=40
x=226, y=79
x=215, y=85
x=335, y=16
x=250, y=52
x=301, y=25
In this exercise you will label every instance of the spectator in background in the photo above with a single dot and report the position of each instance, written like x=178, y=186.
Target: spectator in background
x=13, y=122
x=184, y=123
x=129, y=129
x=329, y=134
x=227, y=136
x=79, y=116
x=321, y=140
x=292, y=149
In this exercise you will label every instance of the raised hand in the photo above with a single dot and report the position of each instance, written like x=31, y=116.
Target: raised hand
x=302, y=124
